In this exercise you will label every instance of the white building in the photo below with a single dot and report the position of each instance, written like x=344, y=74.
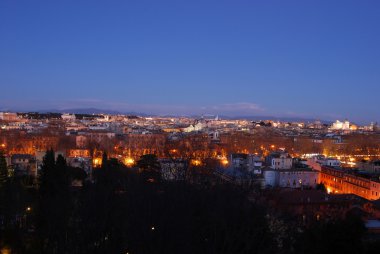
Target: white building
x=98, y=127
x=270, y=178
x=293, y=178
x=196, y=127
x=215, y=136
x=68, y=117
x=338, y=125
x=280, y=160
x=255, y=164
x=104, y=118
x=246, y=162
x=331, y=162
x=239, y=161
x=316, y=162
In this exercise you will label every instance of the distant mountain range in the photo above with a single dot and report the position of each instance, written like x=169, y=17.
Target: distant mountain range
x=253, y=118
x=90, y=111
x=281, y=119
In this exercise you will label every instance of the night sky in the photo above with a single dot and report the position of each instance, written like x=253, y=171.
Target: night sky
x=311, y=59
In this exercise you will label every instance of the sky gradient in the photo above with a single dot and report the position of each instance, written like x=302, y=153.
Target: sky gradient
x=314, y=59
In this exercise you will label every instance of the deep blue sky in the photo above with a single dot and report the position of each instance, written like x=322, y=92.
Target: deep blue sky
x=283, y=58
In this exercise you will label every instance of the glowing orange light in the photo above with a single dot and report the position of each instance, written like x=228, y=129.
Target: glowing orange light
x=5, y=250
x=225, y=162
x=196, y=162
x=97, y=162
x=129, y=161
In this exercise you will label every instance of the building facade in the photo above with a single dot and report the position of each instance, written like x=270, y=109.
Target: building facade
x=338, y=180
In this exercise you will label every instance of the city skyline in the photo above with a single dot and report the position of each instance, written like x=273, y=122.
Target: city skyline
x=296, y=59
x=191, y=115
x=202, y=126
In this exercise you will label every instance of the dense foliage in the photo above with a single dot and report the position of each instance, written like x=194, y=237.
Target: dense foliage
x=121, y=211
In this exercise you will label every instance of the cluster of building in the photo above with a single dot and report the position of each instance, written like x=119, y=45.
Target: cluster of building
x=277, y=170
x=361, y=182
x=187, y=141
x=280, y=170
x=285, y=159
x=134, y=124
x=309, y=190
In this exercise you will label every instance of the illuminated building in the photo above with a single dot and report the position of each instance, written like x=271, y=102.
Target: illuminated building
x=290, y=178
x=97, y=162
x=68, y=117
x=196, y=127
x=338, y=125
x=331, y=162
x=7, y=116
x=78, y=153
x=338, y=180
x=279, y=160
x=129, y=161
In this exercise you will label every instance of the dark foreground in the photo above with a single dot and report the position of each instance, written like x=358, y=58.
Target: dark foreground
x=125, y=211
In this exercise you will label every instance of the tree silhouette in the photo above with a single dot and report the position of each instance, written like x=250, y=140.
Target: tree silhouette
x=54, y=206
x=3, y=170
x=149, y=167
x=104, y=160
x=338, y=236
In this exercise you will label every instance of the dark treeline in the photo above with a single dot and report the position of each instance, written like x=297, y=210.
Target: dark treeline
x=123, y=210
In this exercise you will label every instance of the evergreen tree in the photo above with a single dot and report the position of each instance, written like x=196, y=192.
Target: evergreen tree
x=108, y=176
x=3, y=170
x=46, y=174
x=54, y=178
x=54, y=204
x=104, y=161
x=61, y=174
x=150, y=167
x=3, y=186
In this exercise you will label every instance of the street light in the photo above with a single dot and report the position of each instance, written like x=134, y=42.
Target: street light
x=129, y=161
x=5, y=250
x=225, y=162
